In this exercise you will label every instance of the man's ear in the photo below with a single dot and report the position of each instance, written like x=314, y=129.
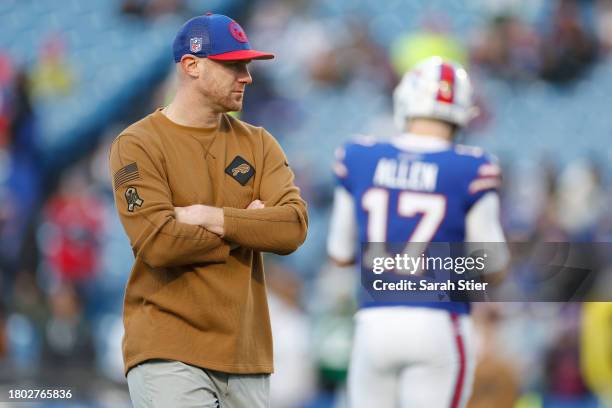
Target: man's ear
x=190, y=65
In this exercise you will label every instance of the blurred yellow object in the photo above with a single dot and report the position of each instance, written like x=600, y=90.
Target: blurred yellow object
x=410, y=49
x=52, y=78
x=596, y=349
x=530, y=400
x=234, y=114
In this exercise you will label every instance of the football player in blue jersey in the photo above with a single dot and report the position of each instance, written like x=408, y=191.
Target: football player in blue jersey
x=420, y=187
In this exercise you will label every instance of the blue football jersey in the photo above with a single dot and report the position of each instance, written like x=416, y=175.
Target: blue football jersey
x=409, y=195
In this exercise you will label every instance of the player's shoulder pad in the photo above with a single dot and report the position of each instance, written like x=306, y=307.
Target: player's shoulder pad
x=352, y=151
x=488, y=174
x=361, y=143
x=365, y=140
x=488, y=166
x=470, y=151
x=475, y=155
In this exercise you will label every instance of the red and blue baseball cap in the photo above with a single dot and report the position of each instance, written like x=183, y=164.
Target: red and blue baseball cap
x=217, y=37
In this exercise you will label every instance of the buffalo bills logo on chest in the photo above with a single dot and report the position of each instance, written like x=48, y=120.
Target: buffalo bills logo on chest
x=240, y=170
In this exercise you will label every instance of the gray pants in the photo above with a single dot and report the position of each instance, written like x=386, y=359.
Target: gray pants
x=164, y=383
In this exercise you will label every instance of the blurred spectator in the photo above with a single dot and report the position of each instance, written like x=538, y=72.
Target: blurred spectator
x=603, y=13
x=524, y=196
x=3, y=336
x=134, y=7
x=52, y=75
x=293, y=382
x=332, y=308
x=151, y=8
x=568, y=49
x=352, y=56
x=28, y=314
x=263, y=104
x=507, y=48
x=108, y=339
x=496, y=383
x=6, y=75
x=435, y=38
x=28, y=298
x=24, y=346
x=68, y=340
x=20, y=185
x=72, y=225
x=23, y=131
x=581, y=199
x=563, y=373
x=279, y=24
x=546, y=225
x=511, y=49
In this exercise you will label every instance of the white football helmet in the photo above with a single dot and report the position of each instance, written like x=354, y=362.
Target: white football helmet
x=436, y=89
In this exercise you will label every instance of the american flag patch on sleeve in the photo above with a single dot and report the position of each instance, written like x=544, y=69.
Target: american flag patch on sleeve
x=125, y=175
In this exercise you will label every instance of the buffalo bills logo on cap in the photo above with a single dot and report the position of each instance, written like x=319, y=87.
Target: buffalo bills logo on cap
x=237, y=32
x=195, y=44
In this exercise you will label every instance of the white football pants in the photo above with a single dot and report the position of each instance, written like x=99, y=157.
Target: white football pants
x=411, y=357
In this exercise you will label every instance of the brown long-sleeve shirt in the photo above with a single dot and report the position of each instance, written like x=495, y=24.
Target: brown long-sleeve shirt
x=190, y=297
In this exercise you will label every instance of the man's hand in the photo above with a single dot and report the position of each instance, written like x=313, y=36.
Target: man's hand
x=207, y=216
x=255, y=205
x=189, y=215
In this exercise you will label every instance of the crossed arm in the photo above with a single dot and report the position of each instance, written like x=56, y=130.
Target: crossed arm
x=278, y=226
x=207, y=216
x=280, y=229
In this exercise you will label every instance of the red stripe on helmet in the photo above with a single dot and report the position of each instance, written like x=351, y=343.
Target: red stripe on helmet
x=446, y=92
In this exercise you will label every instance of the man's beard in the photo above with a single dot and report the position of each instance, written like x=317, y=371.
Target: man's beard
x=225, y=103
x=231, y=104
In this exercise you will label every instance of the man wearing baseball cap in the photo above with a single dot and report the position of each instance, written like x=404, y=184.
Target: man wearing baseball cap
x=201, y=195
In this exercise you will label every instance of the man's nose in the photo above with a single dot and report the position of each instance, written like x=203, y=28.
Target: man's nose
x=245, y=76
